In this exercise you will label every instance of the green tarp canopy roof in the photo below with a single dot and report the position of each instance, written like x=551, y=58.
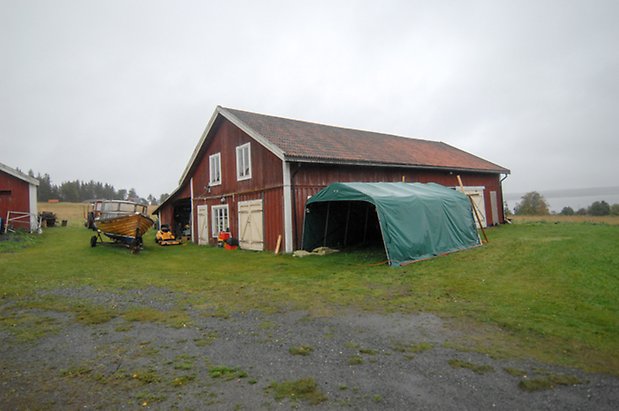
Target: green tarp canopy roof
x=416, y=221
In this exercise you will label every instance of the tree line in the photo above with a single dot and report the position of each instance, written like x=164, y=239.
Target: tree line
x=78, y=191
x=534, y=203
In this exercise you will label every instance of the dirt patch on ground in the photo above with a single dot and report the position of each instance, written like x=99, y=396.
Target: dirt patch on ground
x=254, y=360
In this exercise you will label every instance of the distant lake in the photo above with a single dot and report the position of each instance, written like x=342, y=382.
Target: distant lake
x=577, y=198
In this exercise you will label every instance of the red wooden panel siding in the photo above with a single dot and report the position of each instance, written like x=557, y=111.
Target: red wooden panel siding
x=273, y=214
x=16, y=194
x=266, y=167
x=311, y=178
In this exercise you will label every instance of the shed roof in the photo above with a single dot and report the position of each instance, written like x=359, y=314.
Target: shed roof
x=19, y=174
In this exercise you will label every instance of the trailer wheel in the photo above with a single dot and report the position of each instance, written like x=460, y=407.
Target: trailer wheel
x=93, y=241
x=136, y=244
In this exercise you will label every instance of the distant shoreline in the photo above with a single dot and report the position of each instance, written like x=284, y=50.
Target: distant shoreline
x=576, y=192
x=575, y=198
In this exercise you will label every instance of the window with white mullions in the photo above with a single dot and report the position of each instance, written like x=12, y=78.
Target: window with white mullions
x=243, y=162
x=220, y=219
x=214, y=169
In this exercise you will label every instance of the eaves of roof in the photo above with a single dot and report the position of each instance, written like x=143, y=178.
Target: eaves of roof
x=339, y=161
x=170, y=198
x=19, y=174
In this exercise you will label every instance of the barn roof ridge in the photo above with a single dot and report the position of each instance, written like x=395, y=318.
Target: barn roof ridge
x=18, y=174
x=316, y=123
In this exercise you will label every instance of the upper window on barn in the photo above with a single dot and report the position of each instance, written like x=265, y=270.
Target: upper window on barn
x=243, y=162
x=214, y=162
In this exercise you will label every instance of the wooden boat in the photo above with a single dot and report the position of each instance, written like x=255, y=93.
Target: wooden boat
x=125, y=222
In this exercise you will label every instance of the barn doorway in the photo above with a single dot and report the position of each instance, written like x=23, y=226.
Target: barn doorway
x=203, y=234
x=251, y=235
x=477, y=195
x=494, y=207
x=182, y=218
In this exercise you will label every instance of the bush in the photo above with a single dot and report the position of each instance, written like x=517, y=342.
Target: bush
x=532, y=203
x=599, y=208
x=614, y=209
x=567, y=211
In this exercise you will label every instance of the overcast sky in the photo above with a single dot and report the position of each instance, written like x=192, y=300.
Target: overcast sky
x=121, y=91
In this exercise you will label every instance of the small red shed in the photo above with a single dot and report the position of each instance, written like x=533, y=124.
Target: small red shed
x=18, y=195
x=252, y=174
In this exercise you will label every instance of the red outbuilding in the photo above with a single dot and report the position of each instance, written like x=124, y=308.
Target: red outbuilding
x=18, y=198
x=251, y=174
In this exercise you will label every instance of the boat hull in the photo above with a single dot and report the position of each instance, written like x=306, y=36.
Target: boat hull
x=125, y=229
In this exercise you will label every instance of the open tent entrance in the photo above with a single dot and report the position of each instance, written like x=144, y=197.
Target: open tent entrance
x=412, y=221
x=341, y=225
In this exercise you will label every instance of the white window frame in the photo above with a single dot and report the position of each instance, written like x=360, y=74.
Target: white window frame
x=243, y=162
x=216, y=224
x=214, y=159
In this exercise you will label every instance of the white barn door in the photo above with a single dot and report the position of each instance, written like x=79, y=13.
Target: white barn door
x=203, y=233
x=477, y=195
x=250, y=225
x=494, y=207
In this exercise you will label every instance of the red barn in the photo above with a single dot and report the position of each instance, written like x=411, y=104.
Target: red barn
x=252, y=174
x=18, y=194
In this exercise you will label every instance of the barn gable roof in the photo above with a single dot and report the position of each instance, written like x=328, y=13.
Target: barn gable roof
x=19, y=174
x=295, y=140
x=312, y=142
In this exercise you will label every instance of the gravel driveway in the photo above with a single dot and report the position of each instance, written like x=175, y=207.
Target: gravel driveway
x=252, y=360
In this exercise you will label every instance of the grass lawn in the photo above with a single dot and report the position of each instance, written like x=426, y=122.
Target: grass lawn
x=541, y=290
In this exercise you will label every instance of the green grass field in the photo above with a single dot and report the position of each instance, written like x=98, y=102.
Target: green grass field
x=538, y=290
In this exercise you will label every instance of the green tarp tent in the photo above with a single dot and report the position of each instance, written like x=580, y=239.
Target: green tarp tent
x=414, y=220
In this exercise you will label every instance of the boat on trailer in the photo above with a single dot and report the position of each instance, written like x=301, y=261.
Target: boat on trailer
x=124, y=222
